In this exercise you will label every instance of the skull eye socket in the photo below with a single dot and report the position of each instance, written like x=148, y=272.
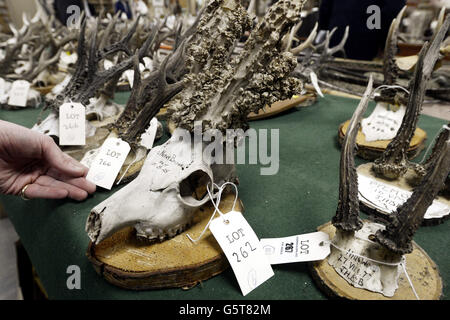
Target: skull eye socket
x=194, y=186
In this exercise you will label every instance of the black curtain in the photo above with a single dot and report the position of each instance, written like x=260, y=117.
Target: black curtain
x=363, y=43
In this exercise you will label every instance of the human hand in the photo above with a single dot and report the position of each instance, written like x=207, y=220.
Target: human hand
x=33, y=159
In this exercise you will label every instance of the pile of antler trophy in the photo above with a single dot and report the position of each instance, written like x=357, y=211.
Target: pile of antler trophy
x=215, y=68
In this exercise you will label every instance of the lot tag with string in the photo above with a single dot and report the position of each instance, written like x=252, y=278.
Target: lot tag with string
x=72, y=124
x=301, y=248
x=108, y=162
x=240, y=245
x=18, y=95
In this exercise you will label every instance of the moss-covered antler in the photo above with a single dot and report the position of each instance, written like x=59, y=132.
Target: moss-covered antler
x=221, y=92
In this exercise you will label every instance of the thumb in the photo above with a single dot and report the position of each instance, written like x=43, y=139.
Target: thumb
x=57, y=159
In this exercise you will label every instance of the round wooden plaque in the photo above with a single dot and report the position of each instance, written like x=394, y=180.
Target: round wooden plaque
x=176, y=263
x=279, y=107
x=374, y=149
x=44, y=90
x=422, y=271
x=402, y=183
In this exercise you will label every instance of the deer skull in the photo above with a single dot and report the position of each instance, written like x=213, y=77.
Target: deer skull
x=160, y=201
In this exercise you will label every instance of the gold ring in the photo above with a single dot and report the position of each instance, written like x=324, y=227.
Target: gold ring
x=22, y=193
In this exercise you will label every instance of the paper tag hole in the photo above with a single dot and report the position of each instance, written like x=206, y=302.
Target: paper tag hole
x=226, y=221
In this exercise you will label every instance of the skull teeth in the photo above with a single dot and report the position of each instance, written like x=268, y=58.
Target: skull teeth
x=152, y=234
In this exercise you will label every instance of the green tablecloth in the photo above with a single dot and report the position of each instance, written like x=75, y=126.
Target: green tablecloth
x=302, y=196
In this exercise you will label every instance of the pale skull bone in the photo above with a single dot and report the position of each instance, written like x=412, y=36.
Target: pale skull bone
x=100, y=107
x=159, y=202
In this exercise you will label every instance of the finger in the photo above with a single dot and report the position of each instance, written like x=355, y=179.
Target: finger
x=81, y=182
x=61, y=161
x=73, y=192
x=35, y=191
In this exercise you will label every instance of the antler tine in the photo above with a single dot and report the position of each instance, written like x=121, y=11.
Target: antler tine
x=177, y=64
x=393, y=162
x=189, y=32
x=441, y=20
x=288, y=39
x=108, y=30
x=122, y=45
x=132, y=107
x=251, y=7
x=153, y=101
x=347, y=213
x=152, y=38
x=341, y=45
x=390, y=68
x=25, y=20
x=398, y=234
x=178, y=35
x=98, y=78
x=308, y=42
x=44, y=63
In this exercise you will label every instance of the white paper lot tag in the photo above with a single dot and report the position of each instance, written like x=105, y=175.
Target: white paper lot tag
x=148, y=137
x=108, y=162
x=387, y=198
x=307, y=247
x=382, y=124
x=18, y=95
x=2, y=86
x=72, y=124
x=242, y=249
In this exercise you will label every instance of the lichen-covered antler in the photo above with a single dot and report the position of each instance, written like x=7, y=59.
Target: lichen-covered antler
x=150, y=94
x=221, y=94
x=394, y=162
x=347, y=213
x=400, y=231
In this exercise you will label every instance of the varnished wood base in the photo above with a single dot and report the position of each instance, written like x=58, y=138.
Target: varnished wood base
x=176, y=263
x=421, y=269
x=373, y=150
x=280, y=107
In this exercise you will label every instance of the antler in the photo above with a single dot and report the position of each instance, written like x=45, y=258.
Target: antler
x=308, y=42
x=399, y=233
x=347, y=213
x=394, y=163
x=88, y=79
x=390, y=68
x=222, y=94
x=150, y=94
